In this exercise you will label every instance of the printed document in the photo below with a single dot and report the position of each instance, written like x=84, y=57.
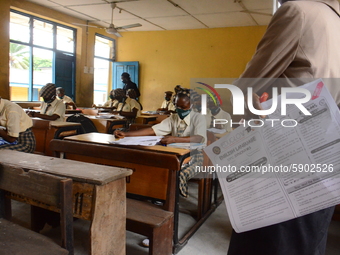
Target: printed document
x=275, y=172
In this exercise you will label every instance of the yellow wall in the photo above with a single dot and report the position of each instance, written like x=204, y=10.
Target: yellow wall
x=166, y=58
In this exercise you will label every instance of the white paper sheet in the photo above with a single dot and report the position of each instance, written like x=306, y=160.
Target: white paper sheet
x=138, y=140
x=258, y=199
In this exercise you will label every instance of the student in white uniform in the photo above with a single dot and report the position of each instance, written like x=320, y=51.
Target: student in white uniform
x=51, y=108
x=167, y=104
x=186, y=126
x=16, y=133
x=66, y=99
x=214, y=112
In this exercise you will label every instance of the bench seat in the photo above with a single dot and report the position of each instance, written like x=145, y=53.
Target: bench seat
x=17, y=240
x=157, y=224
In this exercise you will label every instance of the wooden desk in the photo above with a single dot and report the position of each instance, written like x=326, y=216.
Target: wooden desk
x=89, y=111
x=45, y=130
x=106, y=125
x=159, y=117
x=98, y=195
x=156, y=170
x=145, y=119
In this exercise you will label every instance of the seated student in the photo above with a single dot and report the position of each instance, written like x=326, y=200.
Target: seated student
x=127, y=107
x=186, y=126
x=66, y=99
x=177, y=89
x=112, y=103
x=16, y=133
x=167, y=104
x=51, y=107
x=215, y=111
x=131, y=93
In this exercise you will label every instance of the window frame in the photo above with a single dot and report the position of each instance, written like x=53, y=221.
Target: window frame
x=53, y=49
x=111, y=61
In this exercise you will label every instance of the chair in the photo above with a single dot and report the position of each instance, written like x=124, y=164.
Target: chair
x=46, y=190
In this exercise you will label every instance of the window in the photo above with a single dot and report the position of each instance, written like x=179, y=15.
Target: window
x=104, y=56
x=34, y=45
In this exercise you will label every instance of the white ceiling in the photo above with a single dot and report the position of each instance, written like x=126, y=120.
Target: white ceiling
x=166, y=14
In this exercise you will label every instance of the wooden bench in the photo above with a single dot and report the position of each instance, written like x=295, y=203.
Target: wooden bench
x=155, y=176
x=149, y=220
x=46, y=189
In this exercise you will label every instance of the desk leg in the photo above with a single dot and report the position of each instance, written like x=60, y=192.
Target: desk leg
x=107, y=231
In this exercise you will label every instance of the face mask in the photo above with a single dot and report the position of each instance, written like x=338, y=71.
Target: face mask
x=49, y=101
x=167, y=98
x=61, y=97
x=215, y=110
x=182, y=113
x=112, y=97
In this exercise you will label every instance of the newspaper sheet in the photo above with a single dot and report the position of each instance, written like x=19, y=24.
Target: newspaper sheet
x=274, y=173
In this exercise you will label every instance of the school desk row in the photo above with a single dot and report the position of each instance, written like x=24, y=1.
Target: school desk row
x=155, y=174
x=45, y=130
x=149, y=179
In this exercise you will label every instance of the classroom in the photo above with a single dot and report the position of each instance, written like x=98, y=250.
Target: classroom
x=164, y=58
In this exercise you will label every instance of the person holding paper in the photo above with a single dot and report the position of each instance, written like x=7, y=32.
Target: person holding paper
x=301, y=41
x=186, y=126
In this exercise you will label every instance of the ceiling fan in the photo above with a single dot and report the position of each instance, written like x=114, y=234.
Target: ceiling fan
x=111, y=29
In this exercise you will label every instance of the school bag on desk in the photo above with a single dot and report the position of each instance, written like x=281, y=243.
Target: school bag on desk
x=85, y=122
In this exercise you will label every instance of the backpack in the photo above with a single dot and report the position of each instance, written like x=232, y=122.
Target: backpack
x=85, y=122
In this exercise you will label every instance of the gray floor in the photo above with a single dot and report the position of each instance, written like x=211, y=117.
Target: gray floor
x=212, y=238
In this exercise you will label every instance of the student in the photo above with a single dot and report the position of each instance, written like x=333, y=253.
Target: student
x=186, y=126
x=131, y=93
x=127, y=107
x=51, y=108
x=66, y=99
x=167, y=104
x=17, y=134
x=128, y=84
x=178, y=88
x=112, y=103
x=214, y=112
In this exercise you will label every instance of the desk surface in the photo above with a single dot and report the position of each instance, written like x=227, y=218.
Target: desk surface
x=100, y=138
x=78, y=171
x=59, y=124
x=37, y=122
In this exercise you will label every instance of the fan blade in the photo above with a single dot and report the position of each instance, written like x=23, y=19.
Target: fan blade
x=78, y=24
x=117, y=34
x=129, y=26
